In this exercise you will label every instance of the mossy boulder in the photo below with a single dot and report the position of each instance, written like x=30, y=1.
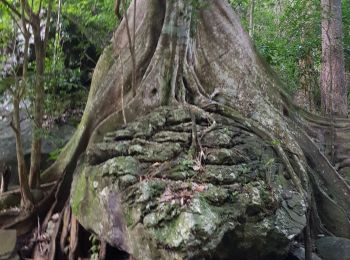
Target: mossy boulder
x=146, y=190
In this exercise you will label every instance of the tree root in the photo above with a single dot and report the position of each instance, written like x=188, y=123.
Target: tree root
x=268, y=137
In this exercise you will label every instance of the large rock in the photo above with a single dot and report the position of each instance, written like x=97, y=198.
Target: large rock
x=53, y=139
x=142, y=189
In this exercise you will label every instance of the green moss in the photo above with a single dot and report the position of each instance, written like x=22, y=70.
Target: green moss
x=158, y=118
x=166, y=89
x=157, y=186
x=150, y=189
x=155, y=152
x=164, y=212
x=265, y=196
x=78, y=193
x=178, y=115
x=175, y=231
x=133, y=213
x=102, y=68
x=122, y=165
x=216, y=195
x=126, y=181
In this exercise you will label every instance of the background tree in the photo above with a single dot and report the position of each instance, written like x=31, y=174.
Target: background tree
x=62, y=78
x=33, y=14
x=251, y=18
x=295, y=51
x=41, y=39
x=307, y=93
x=17, y=88
x=333, y=89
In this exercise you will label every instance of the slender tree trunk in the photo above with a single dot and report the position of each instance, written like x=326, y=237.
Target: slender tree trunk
x=251, y=18
x=305, y=95
x=58, y=32
x=333, y=87
x=27, y=200
x=307, y=74
x=5, y=173
x=40, y=44
x=34, y=175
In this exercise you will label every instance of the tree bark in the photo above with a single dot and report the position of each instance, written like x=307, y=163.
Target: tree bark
x=334, y=98
x=40, y=44
x=27, y=202
x=35, y=159
x=305, y=95
x=26, y=197
x=5, y=173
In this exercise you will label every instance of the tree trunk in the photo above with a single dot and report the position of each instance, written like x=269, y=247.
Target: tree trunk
x=305, y=95
x=35, y=159
x=333, y=90
x=251, y=18
x=5, y=173
x=26, y=197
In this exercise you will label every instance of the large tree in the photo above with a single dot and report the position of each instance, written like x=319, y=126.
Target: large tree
x=334, y=96
x=196, y=54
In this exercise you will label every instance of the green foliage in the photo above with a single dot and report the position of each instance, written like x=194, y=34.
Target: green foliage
x=276, y=142
x=241, y=7
x=285, y=31
x=53, y=155
x=6, y=36
x=346, y=30
x=63, y=89
x=187, y=164
x=95, y=247
x=94, y=18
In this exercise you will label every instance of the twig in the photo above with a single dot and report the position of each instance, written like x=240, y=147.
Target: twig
x=122, y=91
x=131, y=48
